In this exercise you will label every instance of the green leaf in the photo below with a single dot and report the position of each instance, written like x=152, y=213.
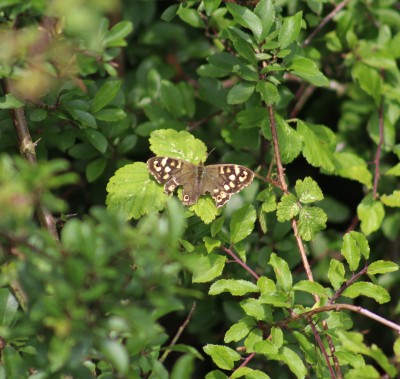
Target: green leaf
x=351, y=166
x=246, y=18
x=311, y=221
x=187, y=245
x=396, y=346
x=392, y=200
x=395, y=170
x=249, y=373
x=239, y=330
x=377, y=293
x=251, y=117
x=382, y=267
x=211, y=5
x=256, y=309
x=371, y=213
x=256, y=335
x=290, y=30
x=9, y=101
x=307, y=69
x=110, y=114
x=96, y=139
x=173, y=99
x=207, y=268
x=266, y=12
x=276, y=299
x=354, y=244
x=105, y=95
x=266, y=347
x=294, y=362
x=243, y=47
x=308, y=191
x=282, y=272
x=268, y=91
x=268, y=198
x=190, y=16
x=224, y=357
x=238, y=287
x=169, y=13
x=365, y=372
x=313, y=288
x=85, y=119
x=133, y=192
x=95, y=169
x=234, y=64
x=369, y=80
x=290, y=143
x=184, y=367
x=242, y=223
x=336, y=273
x=115, y=37
x=115, y=352
x=205, y=208
x=217, y=226
x=277, y=336
x=240, y=93
x=287, y=208
x=8, y=308
x=180, y=145
x=211, y=244
x=319, y=145
x=380, y=60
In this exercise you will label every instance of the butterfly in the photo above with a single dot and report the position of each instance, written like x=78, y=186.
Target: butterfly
x=221, y=181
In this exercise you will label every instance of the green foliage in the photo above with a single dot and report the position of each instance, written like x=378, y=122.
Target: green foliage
x=288, y=278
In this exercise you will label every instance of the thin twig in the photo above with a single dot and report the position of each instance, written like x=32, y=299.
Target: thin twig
x=337, y=308
x=240, y=262
x=347, y=284
x=321, y=346
x=28, y=150
x=178, y=334
x=246, y=361
x=332, y=14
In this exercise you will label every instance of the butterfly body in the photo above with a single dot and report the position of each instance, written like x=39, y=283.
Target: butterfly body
x=220, y=180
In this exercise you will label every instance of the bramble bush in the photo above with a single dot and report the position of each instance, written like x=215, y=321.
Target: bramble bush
x=105, y=276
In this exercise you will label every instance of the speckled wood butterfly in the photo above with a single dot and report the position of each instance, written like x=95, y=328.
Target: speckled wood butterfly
x=220, y=180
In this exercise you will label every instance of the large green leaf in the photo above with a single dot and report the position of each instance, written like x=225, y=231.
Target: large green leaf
x=133, y=192
x=242, y=223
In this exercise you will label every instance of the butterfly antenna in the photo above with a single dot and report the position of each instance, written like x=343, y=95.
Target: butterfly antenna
x=210, y=152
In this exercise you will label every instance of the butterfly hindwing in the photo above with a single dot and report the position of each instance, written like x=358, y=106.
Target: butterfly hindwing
x=224, y=180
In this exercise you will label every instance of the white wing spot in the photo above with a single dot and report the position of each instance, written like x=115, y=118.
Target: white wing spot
x=216, y=190
x=164, y=161
x=167, y=169
x=232, y=184
x=237, y=170
x=226, y=187
x=166, y=176
x=232, y=177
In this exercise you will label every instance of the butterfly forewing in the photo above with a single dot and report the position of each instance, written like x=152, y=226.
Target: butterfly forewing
x=221, y=180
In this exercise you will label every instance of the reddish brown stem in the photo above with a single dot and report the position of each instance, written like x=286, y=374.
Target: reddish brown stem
x=332, y=14
x=240, y=262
